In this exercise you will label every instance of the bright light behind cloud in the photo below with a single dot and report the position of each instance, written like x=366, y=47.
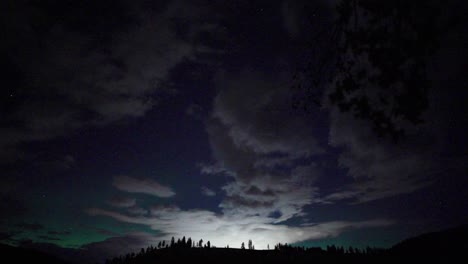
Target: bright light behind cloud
x=222, y=230
x=272, y=170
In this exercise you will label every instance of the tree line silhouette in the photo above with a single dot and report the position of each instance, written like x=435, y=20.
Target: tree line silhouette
x=188, y=247
x=447, y=246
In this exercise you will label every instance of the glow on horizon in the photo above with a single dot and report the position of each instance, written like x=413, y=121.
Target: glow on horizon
x=224, y=230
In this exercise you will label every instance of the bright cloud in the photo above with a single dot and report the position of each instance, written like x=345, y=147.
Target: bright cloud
x=207, y=191
x=232, y=230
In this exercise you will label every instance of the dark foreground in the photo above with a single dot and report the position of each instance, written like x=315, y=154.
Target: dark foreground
x=450, y=246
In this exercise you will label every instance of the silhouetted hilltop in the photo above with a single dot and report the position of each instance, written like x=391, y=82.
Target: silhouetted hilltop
x=449, y=246
x=9, y=254
x=447, y=242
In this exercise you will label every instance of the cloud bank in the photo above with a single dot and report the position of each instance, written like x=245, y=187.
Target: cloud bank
x=221, y=230
x=263, y=146
x=267, y=152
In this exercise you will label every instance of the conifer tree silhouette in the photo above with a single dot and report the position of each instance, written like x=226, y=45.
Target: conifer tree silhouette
x=189, y=243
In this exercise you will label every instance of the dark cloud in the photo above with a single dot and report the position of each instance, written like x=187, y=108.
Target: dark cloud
x=12, y=206
x=52, y=232
x=144, y=185
x=254, y=190
x=119, y=201
x=49, y=238
x=101, y=231
x=30, y=226
x=258, y=114
x=382, y=168
x=258, y=137
x=47, y=162
x=135, y=210
x=7, y=236
x=69, y=72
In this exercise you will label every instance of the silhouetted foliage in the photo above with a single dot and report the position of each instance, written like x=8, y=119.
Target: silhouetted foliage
x=433, y=248
x=374, y=61
x=189, y=242
x=250, y=244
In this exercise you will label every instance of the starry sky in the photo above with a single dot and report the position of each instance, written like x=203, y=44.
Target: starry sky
x=124, y=123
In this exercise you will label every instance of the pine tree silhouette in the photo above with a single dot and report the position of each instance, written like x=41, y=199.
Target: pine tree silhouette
x=189, y=243
x=284, y=253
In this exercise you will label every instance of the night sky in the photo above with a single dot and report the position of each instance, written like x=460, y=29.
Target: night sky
x=124, y=123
